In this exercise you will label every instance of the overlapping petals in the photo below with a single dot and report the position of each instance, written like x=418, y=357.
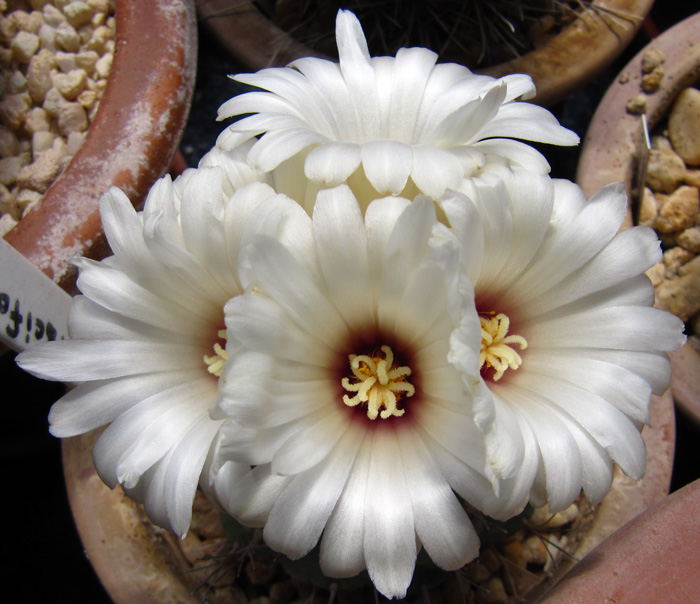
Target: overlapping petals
x=147, y=317
x=389, y=125
x=368, y=489
x=575, y=289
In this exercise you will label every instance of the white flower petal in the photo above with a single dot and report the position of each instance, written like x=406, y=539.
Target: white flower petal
x=442, y=525
x=332, y=164
x=389, y=533
x=387, y=165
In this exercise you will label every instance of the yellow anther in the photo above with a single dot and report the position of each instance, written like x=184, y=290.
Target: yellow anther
x=379, y=384
x=495, y=349
x=215, y=363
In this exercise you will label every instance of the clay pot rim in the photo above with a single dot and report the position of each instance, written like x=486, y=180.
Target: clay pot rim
x=611, y=145
x=560, y=66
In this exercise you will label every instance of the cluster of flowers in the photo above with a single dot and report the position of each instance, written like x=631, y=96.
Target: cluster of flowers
x=367, y=306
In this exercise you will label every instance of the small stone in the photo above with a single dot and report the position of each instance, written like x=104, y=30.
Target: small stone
x=41, y=141
x=649, y=208
x=652, y=81
x=72, y=118
x=535, y=551
x=74, y=142
x=39, y=75
x=38, y=4
x=656, y=273
x=665, y=170
x=47, y=37
x=679, y=211
x=87, y=98
x=67, y=38
x=53, y=102
x=24, y=46
x=30, y=22
x=17, y=83
x=9, y=169
x=7, y=223
x=692, y=178
x=689, y=239
x=681, y=295
x=651, y=59
x=9, y=145
x=637, y=105
x=104, y=66
x=495, y=592
x=98, y=39
x=39, y=175
x=543, y=517
x=66, y=61
x=86, y=60
x=37, y=120
x=5, y=57
x=70, y=84
x=674, y=258
x=53, y=16
x=99, y=6
x=8, y=30
x=77, y=13
x=684, y=126
x=27, y=200
x=13, y=109
x=624, y=78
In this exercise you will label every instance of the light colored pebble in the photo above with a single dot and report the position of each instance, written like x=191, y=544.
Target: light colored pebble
x=37, y=120
x=39, y=75
x=27, y=200
x=67, y=38
x=86, y=60
x=98, y=39
x=5, y=57
x=39, y=175
x=70, y=84
x=41, y=141
x=543, y=517
x=99, y=6
x=13, y=109
x=24, y=45
x=29, y=22
x=53, y=101
x=53, y=16
x=78, y=13
x=74, y=142
x=17, y=83
x=8, y=203
x=684, y=126
x=8, y=29
x=66, y=61
x=103, y=66
x=7, y=223
x=47, y=37
x=692, y=178
x=689, y=239
x=9, y=169
x=681, y=295
x=637, y=105
x=665, y=170
x=38, y=4
x=656, y=273
x=72, y=118
x=679, y=211
x=87, y=98
x=649, y=208
x=651, y=59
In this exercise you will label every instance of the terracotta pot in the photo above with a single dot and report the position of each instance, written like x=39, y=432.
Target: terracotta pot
x=654, y=558
x=130, y=144
x=582, y=50
x=611, y=153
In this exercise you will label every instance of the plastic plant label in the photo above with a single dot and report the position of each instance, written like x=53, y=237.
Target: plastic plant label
x=32, y=307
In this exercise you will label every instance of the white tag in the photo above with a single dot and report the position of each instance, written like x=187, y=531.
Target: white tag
x=32, y=307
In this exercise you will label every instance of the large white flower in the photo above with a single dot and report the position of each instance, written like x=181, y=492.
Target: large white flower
x=386, y=125
x=571, y=346
x=353, y=392
x=146, y=346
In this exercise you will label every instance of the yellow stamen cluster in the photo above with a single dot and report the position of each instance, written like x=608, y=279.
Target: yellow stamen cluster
x=379, y=384
x=215, y=363
x=495, y=349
